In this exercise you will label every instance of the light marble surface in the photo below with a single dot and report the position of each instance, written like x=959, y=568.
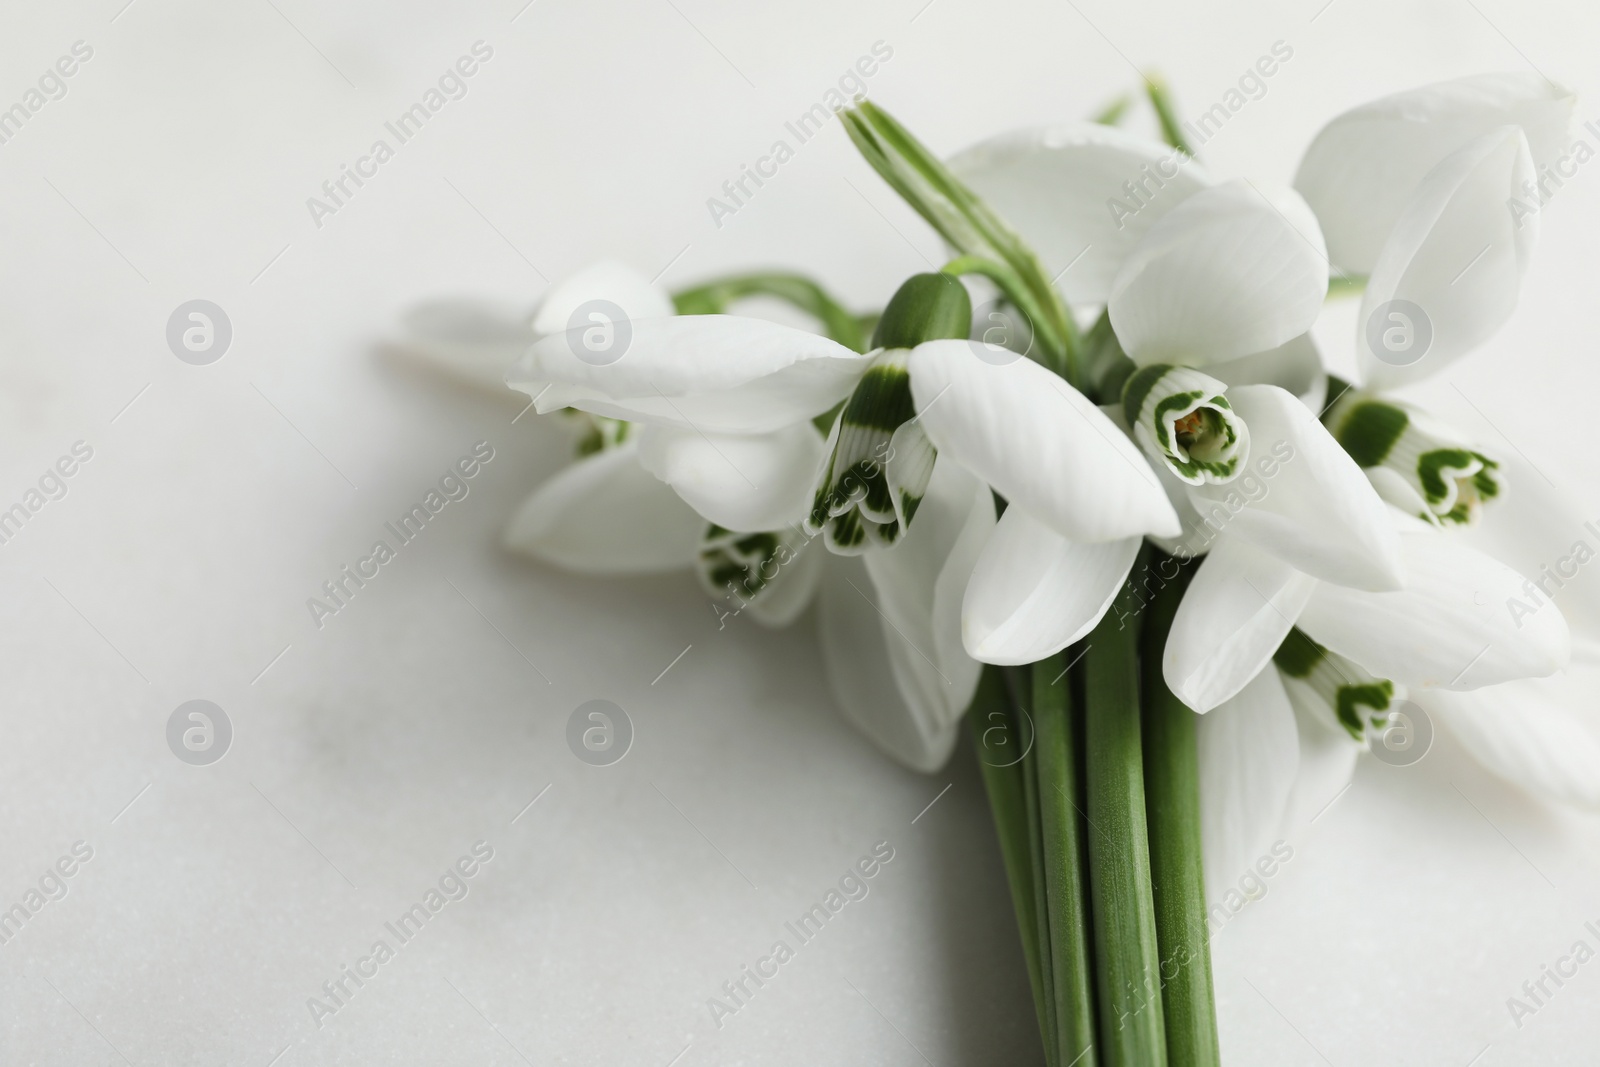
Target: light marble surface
x=373, y=753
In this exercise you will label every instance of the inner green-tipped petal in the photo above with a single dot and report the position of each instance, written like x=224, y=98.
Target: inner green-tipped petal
x=1181, y=417
x=1450, y=479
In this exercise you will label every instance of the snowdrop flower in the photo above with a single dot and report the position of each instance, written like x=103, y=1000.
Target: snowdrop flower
x=1420, y=194
x=1080, y=494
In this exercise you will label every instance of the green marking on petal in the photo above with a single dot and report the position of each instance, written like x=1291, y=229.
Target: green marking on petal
x=1181, y=417
x=1342, y=686
x=1446, y=474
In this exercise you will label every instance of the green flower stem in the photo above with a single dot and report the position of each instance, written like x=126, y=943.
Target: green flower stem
x=1112, y=113
x=997, y=736
x=1161, y=100
x=1341, y=285
x=1127, y=959
x=1172, y=808
x=1021, y=690
x=714, y=297
x=1006, y=280
x=1066, y=880
x=959, y=216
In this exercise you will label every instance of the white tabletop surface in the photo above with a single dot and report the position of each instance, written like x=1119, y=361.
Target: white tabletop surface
x=369, y=755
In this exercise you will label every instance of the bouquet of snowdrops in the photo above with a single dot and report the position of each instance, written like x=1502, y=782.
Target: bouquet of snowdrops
x=1175, y=576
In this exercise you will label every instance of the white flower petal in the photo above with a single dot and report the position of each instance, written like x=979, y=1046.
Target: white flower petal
x=1327, y=757
x=1039, y=442
x=1458, y=254
x=922, y=627
x=1225, y=274
x=1539, y=532
x=711, y=373
x=617, y=283
x=740, y=482
x=1304, y=499
x=1237, y=610
x=1066, y=191
x=790, y=591
x=1451, y=627
x=1361, y=170
x=607, y=515
x=856, y=653
x=1033, y=592
x=1248, y=755
x=474, y=341
x=1529, y=732
x=1294, y=366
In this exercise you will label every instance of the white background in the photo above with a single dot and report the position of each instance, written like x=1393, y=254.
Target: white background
x=375, y=751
